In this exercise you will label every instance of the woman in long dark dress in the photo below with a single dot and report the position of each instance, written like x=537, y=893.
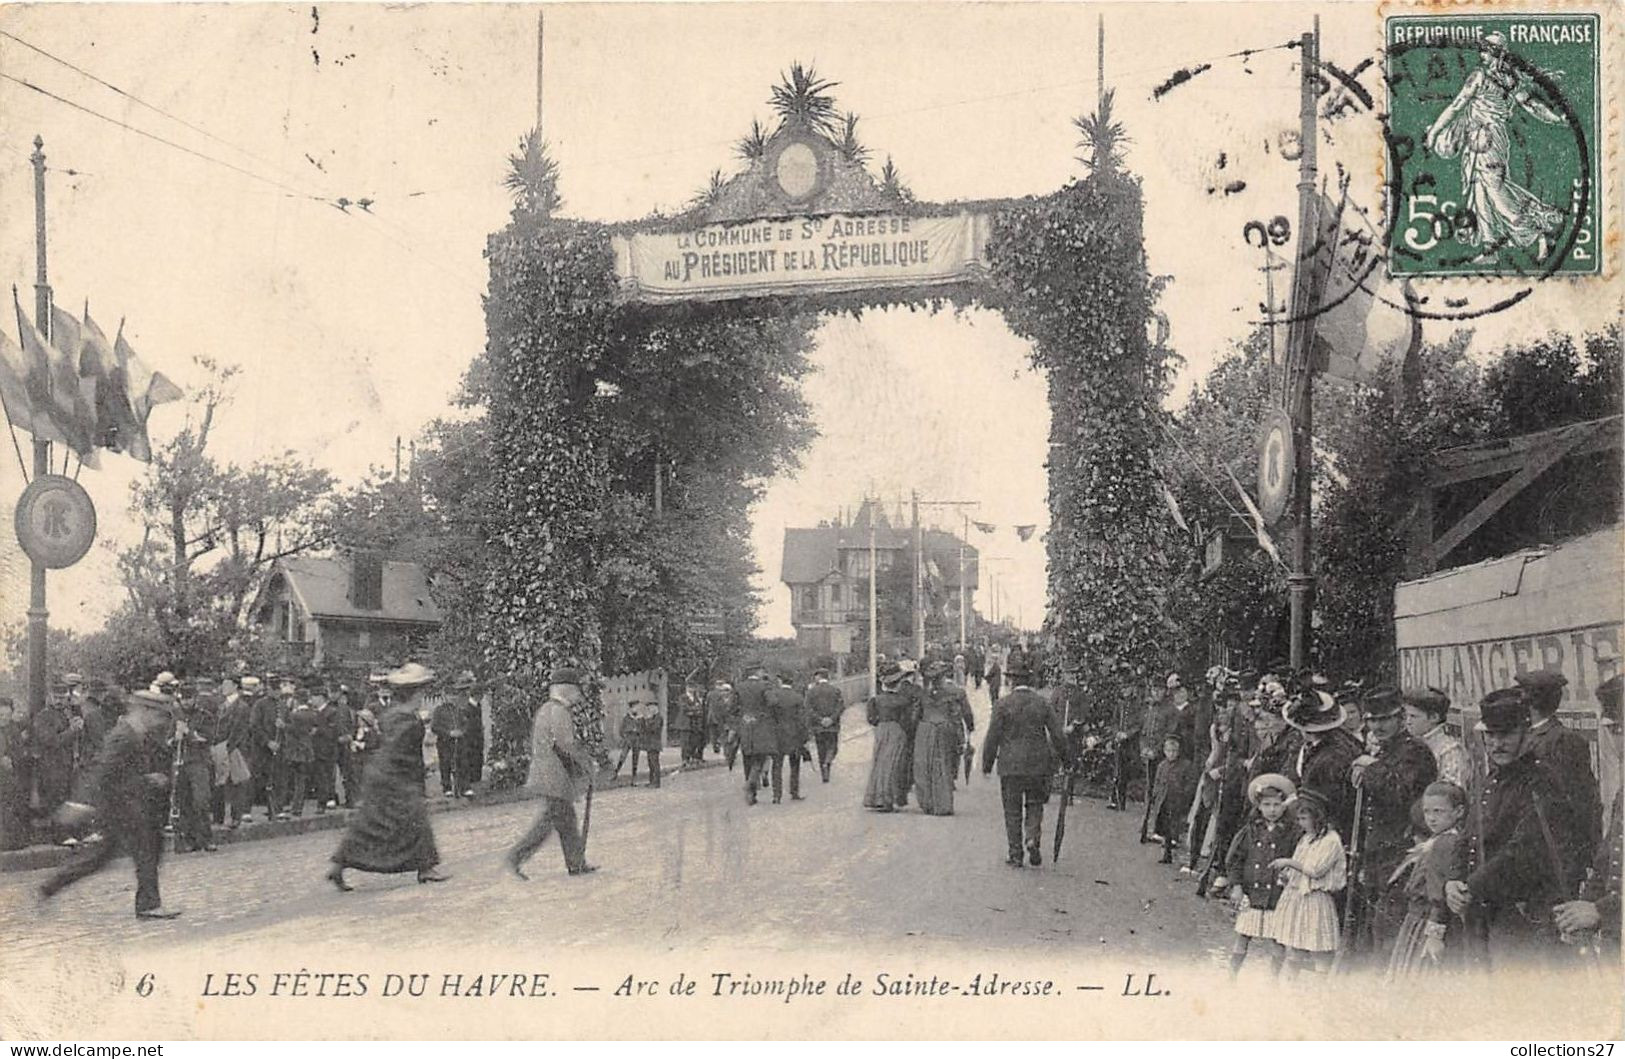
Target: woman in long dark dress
x=885, y=791
x=391, y=832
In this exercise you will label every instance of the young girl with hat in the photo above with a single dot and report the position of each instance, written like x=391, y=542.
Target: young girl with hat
x=1249, y=867
x=1306, y=916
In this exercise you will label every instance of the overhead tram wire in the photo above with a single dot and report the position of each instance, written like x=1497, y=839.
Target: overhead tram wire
x=292, y=192
x=132, y=97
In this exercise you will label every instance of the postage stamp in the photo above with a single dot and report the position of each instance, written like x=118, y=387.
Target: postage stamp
x=1493, y=142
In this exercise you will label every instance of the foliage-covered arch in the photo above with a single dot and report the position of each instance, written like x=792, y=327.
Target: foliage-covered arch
x=1068, y=272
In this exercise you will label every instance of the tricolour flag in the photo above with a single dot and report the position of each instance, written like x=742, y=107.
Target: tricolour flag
x=1362, y=322
x=54, y=393
x=14, y=391
x=146, y=388
x=116, y=424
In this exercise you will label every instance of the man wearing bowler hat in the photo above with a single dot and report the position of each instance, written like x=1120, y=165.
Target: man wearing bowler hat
x=1391, y=781
x=561, y=770
x=1517, y=858
x=1564, y=751
x=1024, y=740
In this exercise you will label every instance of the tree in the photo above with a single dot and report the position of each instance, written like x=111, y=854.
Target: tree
x=803, y=98
x=533, y=178
x=210, y=533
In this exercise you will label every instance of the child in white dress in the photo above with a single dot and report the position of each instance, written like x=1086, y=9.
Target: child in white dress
x=1306, y=916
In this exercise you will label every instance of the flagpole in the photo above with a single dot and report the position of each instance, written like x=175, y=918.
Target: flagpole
x=37, y=612
x=874, y=608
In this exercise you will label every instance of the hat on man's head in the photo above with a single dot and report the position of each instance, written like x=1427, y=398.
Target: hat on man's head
x=1315, y=711
x=1503, y=710
x=72, y=680
x=164, y=679
x=1174, y=681
x=1543, y=688
x=411, y=675
x=1608, y=695
x=151, y=696
x=1381, y=703
x=464, y=681
x=250, y=685
x=1428, y=700
x=1270, y=781
x=567, y=675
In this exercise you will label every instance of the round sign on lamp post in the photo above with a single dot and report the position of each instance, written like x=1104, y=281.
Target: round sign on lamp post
x=1277, y=461
x=55, y=521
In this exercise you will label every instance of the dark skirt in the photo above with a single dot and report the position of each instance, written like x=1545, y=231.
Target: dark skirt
x=886, y=789
x=390, y=832
x=936, y=760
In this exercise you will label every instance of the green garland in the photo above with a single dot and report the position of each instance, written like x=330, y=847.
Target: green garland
x=1068, y=272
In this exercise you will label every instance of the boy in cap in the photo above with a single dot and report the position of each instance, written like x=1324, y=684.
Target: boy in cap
x=641, y=734
x=1516, y=861
x=1269, y=834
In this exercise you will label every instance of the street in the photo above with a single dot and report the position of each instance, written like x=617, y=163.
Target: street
x=679, y=863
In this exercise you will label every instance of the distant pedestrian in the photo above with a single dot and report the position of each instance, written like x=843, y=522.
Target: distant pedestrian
x=233, y=745
x=1172, y=794
x=824, y=707
x=939, y=740
x=884, y=789
x=1024, y=741
x=789, y=715
x=995, y=677
x=391, y=833
x=470, y=747
x=194, y=778
x=722, y=718
x=691, y=719
x=640, y=734
x=561, y=771
x=758, y=730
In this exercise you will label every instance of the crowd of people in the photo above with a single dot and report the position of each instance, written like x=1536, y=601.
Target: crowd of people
x=1352, y=827
x=244, y=744
x=767, y=722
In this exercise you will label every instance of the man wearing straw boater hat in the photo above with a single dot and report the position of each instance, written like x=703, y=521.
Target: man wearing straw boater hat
x=1516, y=860
x=132, y=782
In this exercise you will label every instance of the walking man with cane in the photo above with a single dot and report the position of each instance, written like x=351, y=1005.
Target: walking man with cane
x=561, y=770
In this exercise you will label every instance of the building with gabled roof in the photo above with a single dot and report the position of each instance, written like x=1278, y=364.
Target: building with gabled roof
x=351, y=611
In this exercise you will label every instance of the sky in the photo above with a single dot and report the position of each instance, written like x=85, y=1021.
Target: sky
x=352, y=328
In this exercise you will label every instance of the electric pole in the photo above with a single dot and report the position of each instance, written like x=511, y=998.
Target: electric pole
x=37, y=612
x=874, y=608
x=1300, y=353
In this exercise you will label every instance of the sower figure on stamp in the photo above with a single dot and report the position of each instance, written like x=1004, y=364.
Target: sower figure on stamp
x=824, y=706
x=1391, y=782
x=561, y=771
x=132, y=787
x=1516, y=859
x=1024, y=741
x=391, y=833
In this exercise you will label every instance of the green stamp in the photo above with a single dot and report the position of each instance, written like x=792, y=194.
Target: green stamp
x=1493, y=148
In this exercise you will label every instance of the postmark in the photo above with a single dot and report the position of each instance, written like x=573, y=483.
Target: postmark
x=1493, y=137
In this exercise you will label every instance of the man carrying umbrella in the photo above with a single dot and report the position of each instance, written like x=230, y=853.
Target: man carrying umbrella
x=561, y=770
x=1024, y=740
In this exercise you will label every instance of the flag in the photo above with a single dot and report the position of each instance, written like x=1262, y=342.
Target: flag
x=56, y=403
x=985, y=527
x=1362, y=322
x=1259, y=532
x=116, y=425
x=68, y=386
x=1026, y=532
x=14, y=386
x=145, y=388
x=1173, y=506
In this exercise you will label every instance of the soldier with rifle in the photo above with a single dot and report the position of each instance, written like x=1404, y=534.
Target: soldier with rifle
x=194, y=774
x=1517, y=859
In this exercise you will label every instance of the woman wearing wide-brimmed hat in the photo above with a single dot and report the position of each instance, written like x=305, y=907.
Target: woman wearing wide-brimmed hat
x=1326, y=759
x=885, y=791
x=391, y=832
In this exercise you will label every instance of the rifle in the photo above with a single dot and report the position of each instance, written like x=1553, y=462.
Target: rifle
x=173, y=819
x=1068, y=775
x=1351, y=908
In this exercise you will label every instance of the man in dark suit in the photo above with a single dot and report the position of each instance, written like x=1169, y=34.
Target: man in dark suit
x=824, y=707
x=1517, y=858
x=299, y=752
x=1024, y=740
x=328, y=733
x=1564, y=751
x=194, y=779
x=790, y=716
x=722, y=718
x=757, y=727
x=266, y=721
x=1390, y=782
x=132, y=785
x=56, y=736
